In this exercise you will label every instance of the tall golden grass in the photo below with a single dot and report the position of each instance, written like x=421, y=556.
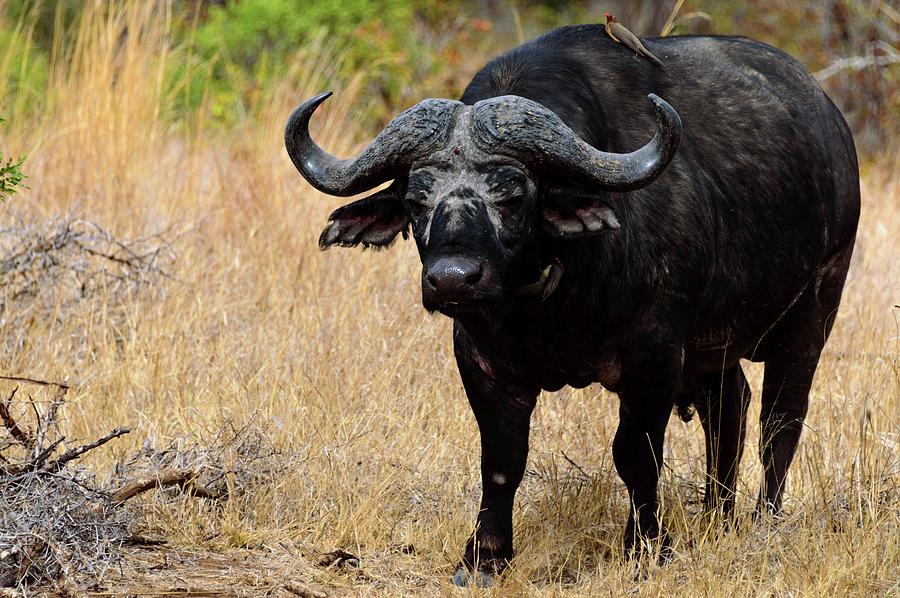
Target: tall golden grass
x=335, y=352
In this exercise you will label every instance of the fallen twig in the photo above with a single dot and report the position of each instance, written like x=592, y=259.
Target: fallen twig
x=77, y=452
x=40, y=434
x=14, y=430
x=34, y=381
x=163, y=479
x=42, y=457
x=303, y=590
x=48, y=528
x=230, y=463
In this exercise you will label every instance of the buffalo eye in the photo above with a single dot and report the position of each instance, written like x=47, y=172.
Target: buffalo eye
x=508, y=188
x=510, y=196
x=417, y=193
x=511, y=201
x=416, y=206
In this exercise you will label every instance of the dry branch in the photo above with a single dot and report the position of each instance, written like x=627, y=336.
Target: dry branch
x=52, y=413
x=888, y=55
x=75, y=453
x=34, y=381
x=48, y=528
x=41, y=458
x=855, y=63
x=55, y=268
x=164, y=479
x=35, y=441
x=14, y=430
x=303, y=590
x=57, y=522
x=228, y=464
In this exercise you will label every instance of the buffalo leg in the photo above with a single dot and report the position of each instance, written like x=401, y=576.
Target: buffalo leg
x=645, y=403
x=722, y=403
x=791, y=354
x=503, y=413
x=785, y=401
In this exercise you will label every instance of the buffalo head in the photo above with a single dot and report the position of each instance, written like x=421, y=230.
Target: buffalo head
x=476, y=186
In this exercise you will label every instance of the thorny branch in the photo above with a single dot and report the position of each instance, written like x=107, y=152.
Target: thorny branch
x=59, y=385
x=14, y=430
x=48, y=530
x=73, y=454
x=72, y=260
x=57, y=521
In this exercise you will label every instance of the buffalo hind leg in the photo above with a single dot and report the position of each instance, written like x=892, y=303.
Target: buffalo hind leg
x=791, y=352
x=503, y=413
x=721, y=402
x=785, y=400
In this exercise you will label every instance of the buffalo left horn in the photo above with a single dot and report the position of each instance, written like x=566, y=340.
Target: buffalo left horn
x=416, y=132
x=528, y=131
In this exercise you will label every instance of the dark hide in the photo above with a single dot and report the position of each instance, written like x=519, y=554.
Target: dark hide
x=739, y=249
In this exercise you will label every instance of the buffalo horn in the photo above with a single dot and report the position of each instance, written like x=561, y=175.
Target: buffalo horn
x=418, y=131
x=526, y=130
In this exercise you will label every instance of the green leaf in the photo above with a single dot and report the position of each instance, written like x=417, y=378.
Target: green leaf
x=11, y=175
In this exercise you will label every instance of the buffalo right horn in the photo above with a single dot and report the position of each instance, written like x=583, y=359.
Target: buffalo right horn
x=414, y=133
x=530, y=132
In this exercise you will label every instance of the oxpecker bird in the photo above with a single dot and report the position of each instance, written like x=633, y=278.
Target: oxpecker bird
x=620, y=34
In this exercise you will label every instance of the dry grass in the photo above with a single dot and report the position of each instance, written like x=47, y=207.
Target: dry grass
x=358, y=383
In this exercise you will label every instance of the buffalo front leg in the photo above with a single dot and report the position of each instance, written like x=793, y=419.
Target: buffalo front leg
x=503, y=413
x=645, y=403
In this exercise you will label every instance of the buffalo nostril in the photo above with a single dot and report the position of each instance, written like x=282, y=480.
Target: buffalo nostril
x=453, y=273
x=474, y=275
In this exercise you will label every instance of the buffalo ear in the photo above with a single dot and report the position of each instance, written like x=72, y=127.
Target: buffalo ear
x=572, y=213
x=372, y=222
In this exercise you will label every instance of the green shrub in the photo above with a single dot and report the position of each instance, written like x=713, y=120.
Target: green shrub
x=11, y=176
x=244, y=31
x=250, y=43
x=24, y=66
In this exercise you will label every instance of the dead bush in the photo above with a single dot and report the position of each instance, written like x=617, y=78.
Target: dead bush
x=65, y=260
x=51, y=526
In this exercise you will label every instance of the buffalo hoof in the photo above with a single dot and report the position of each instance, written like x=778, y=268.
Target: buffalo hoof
x=464, y=578
x=658, y=544
x=766, y=511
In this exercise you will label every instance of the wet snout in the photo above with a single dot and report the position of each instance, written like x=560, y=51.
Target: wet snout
x=452, y=280
x=453, y=275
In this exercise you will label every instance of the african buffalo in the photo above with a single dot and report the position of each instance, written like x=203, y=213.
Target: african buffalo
x=566, y=258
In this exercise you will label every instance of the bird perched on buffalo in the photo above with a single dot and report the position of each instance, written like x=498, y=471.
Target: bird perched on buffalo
x=620, y=34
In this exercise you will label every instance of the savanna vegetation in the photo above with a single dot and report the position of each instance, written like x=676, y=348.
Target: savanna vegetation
x=296, y=424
